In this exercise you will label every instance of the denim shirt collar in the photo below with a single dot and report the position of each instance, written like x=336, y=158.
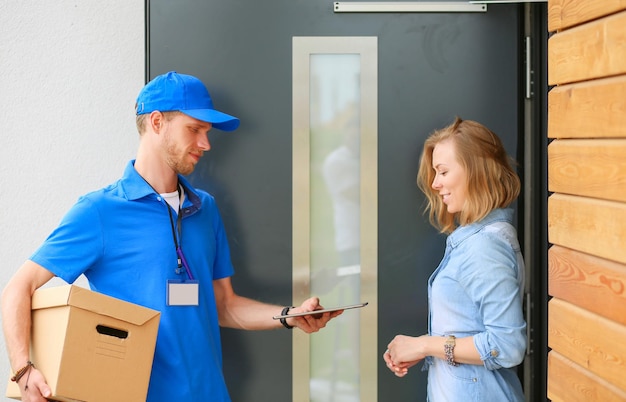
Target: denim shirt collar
x=463, y=232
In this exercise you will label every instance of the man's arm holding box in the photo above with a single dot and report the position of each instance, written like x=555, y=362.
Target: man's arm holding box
x=16, y=323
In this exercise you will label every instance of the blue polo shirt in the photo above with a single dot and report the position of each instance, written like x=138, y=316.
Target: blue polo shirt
x=120, y=237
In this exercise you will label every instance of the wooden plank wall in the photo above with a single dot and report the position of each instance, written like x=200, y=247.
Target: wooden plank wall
x=587, y=204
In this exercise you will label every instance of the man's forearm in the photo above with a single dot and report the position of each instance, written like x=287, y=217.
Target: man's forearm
x=16, y=321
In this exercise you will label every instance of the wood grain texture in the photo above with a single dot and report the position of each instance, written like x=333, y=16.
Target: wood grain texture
x=592, y=168
x=587, y=210
x=596, y=227
x=590, y=109
x=593, y=342
x=593, y=283
x=568, y=382
x=567, y=13
x=593, y=50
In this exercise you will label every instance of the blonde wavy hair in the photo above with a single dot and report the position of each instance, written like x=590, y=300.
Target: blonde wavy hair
x=491, y=180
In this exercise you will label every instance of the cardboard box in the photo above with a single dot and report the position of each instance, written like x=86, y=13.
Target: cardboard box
x=91, y=347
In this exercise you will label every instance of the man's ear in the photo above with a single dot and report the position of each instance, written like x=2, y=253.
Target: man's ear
x=156, y=121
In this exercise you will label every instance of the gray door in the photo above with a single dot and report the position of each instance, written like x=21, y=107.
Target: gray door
x=430, y=68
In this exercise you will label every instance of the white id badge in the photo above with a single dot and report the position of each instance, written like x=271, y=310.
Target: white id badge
x=182, y=293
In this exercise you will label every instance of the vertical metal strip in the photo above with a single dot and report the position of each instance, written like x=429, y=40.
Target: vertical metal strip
x=301, y=226
x=369, y=220
x=147, y=41
x=367, y=47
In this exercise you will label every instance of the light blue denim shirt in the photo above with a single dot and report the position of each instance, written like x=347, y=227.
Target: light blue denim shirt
x=477, y=290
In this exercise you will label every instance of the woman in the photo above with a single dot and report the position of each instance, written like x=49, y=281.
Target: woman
x=477, y=332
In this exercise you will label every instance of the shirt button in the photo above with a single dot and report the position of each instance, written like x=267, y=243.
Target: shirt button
x=494, y=353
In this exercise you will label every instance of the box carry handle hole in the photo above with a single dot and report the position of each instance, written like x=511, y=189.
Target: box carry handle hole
x=118, y=333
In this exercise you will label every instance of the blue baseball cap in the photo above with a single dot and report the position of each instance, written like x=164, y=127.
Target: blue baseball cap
x=184, y=93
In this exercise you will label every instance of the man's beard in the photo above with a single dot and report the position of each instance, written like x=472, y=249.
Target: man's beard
x=176, y=159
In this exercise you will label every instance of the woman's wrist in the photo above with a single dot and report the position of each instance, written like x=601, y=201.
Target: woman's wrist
x=434, y=346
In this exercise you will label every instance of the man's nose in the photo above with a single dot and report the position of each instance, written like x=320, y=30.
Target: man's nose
x=203, y=142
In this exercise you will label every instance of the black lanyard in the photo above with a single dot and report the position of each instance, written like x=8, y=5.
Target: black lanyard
x=182, y=262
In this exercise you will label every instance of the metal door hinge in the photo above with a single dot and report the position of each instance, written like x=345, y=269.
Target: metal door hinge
x=529, y=67
x=529, y=324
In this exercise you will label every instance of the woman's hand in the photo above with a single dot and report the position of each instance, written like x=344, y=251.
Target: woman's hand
x=404, y=352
